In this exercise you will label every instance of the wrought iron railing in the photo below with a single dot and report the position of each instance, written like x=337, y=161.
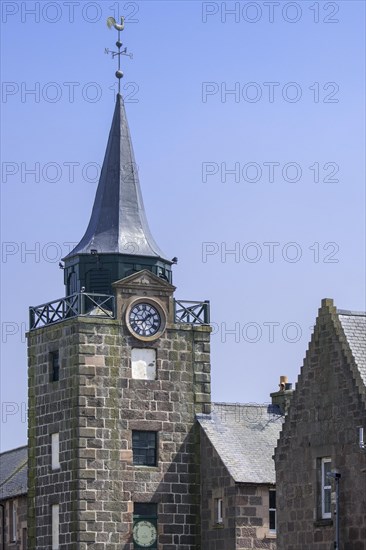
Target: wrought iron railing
x=81, y=303
x=102, y=306
x=196, y=313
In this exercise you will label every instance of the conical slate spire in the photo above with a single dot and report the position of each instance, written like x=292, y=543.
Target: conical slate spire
x=118, y=223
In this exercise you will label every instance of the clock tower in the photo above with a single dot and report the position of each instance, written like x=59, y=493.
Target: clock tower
x=118, y=369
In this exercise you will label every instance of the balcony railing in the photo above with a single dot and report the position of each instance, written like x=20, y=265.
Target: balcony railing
x=102, y=306
x=196, y=313
x=81, y=303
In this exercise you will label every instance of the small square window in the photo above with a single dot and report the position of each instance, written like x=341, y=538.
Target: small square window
x=144, y=445
x=55, y=366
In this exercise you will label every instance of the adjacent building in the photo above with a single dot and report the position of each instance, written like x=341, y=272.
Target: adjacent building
x=13, y=499
x=322, y=435
x=238, y=490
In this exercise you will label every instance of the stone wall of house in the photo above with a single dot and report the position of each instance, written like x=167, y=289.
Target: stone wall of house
x=95, y=406
x=20, y=505
x=216, y=483
x=323, y=418
x=252, y=522
x=245, y=515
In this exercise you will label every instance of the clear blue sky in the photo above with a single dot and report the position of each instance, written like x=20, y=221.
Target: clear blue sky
x=292, y=130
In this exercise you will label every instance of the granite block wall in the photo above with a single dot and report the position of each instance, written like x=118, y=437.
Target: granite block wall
x=95, y=406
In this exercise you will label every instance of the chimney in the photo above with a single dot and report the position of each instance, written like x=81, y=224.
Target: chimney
x=282, y=397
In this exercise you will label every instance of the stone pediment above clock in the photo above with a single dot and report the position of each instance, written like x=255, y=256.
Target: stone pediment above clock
x=144, y=281
x=144, y=284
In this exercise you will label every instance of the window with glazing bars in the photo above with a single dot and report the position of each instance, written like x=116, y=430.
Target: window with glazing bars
x=144, y=448
x=272, y=510
x=326, y=488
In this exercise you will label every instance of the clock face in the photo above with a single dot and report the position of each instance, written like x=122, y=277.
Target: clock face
x=144, y=319
x=144, y=533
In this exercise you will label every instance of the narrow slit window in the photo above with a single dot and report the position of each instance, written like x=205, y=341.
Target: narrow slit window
x=55, y=527
x=12, y=521
x=55, y=366
x=55, y=444
x=219, y=510
x=15, y=526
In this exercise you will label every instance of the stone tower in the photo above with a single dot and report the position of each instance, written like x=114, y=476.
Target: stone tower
x=117, y=371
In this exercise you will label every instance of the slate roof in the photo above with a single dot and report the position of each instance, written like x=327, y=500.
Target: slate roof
x=118, y=222
x=354, y=327
x=245, y=437
x=13, y=473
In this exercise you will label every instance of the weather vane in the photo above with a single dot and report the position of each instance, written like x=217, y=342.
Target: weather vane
x=111, y=22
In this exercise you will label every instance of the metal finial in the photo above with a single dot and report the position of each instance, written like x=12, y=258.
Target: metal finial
x=111, y=22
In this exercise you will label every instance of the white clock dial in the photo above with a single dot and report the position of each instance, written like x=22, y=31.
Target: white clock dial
x=145, y=319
